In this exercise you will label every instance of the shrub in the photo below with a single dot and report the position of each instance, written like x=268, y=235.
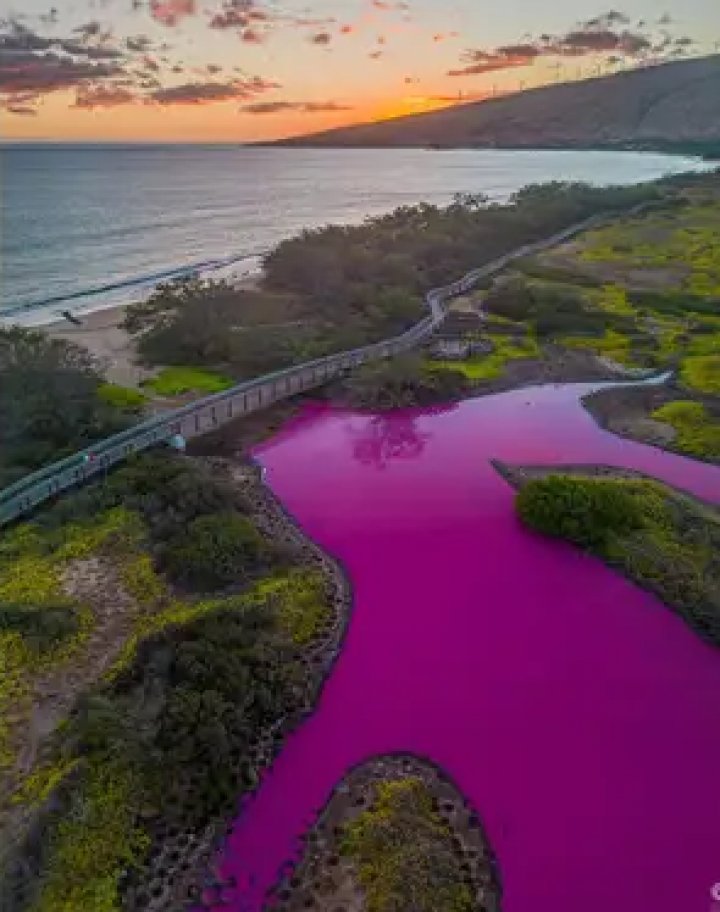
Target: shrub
x=215, y=551
x=404, y=382
x=702, y=373
x=40, y=628
x=586, y=511
x=698, y=431
x=404, y=853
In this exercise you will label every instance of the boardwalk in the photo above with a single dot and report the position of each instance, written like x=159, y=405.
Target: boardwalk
x=211, y=412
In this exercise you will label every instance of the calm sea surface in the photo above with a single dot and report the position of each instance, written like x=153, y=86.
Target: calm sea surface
x=86, y=227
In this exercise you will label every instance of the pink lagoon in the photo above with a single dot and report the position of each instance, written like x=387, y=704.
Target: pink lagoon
x=578, y=715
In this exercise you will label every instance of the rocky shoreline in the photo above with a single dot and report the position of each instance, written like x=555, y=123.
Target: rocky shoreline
x=325, y=880
x=184, y=871
x=519, y=475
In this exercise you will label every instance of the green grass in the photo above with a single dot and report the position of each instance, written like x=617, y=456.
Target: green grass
x=122, y=397
x=174, y=381
x=662, y=540
x=404, y=853
x=702, y=373
x=489, y=367
x=698, y=432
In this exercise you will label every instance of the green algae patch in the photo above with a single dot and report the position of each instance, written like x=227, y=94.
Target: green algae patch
x=698, y=431
x=660, y=539
x=404, y=852
x=175, y=381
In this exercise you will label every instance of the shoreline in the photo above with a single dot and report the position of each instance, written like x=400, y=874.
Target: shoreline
x=101, y=332
x=306, y=879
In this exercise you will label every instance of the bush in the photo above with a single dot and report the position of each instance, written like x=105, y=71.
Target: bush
x=405, y=854
x=215, y=551
x=698, y=431
x=40, y=628
x=702, y=373
x=403, y=382
x=49, y=402
x=586, y=511
x=661, y=539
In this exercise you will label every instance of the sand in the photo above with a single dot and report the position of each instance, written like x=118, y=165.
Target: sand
x=102, y=334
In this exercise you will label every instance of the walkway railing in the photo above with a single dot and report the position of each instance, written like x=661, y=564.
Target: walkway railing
x=211, y=412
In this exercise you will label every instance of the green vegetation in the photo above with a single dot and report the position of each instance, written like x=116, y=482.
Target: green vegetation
x=702, y=373
x=223, y=669
x=686, y=243
x=405, y=854
x=488, y=367
x=341, y=287
x=698, y=431
x=662, y=540
x=122, y=397
x=51, y=402
x=174, y=381
x=215, y=551
x=404, y=382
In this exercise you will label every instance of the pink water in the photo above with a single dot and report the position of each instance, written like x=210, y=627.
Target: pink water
x=579, y=716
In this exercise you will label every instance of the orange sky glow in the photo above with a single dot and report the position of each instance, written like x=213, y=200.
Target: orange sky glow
x=249, y=70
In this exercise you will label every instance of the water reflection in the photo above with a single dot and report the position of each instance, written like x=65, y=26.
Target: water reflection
x=381, y=439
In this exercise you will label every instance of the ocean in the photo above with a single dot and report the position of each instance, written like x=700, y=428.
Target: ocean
x=86, y=227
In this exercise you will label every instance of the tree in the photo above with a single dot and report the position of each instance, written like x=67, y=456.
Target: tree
x=49, y=402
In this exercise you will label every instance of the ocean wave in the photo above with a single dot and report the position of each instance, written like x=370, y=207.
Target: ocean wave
x=146, y=280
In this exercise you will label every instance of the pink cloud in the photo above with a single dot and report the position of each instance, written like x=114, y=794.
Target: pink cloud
x=170, y=12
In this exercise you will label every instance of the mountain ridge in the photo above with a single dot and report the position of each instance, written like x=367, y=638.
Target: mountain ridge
x=665, y=105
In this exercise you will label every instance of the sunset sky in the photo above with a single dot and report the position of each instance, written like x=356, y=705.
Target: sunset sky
x=237, y=70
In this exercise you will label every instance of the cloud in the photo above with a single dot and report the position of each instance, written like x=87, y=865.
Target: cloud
x=171, y=12
x=304, y=107
x=252, y=36
x=385, y=5
x=608, y=20
x=604, y=34
x=492, y=61
x=25, y=71
x=138, y=43
x=21, y=110
x=100, y=96
x=592, y=41
x=195, y=93
x=238, y=14
x=321, y=38
x=18, y=37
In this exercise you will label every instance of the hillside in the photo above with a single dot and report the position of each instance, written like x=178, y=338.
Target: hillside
x=664, y=106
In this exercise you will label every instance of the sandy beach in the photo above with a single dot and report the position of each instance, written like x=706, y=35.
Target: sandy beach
x=102, y=334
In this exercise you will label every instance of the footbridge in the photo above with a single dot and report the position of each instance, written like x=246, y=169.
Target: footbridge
x=211, y=412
